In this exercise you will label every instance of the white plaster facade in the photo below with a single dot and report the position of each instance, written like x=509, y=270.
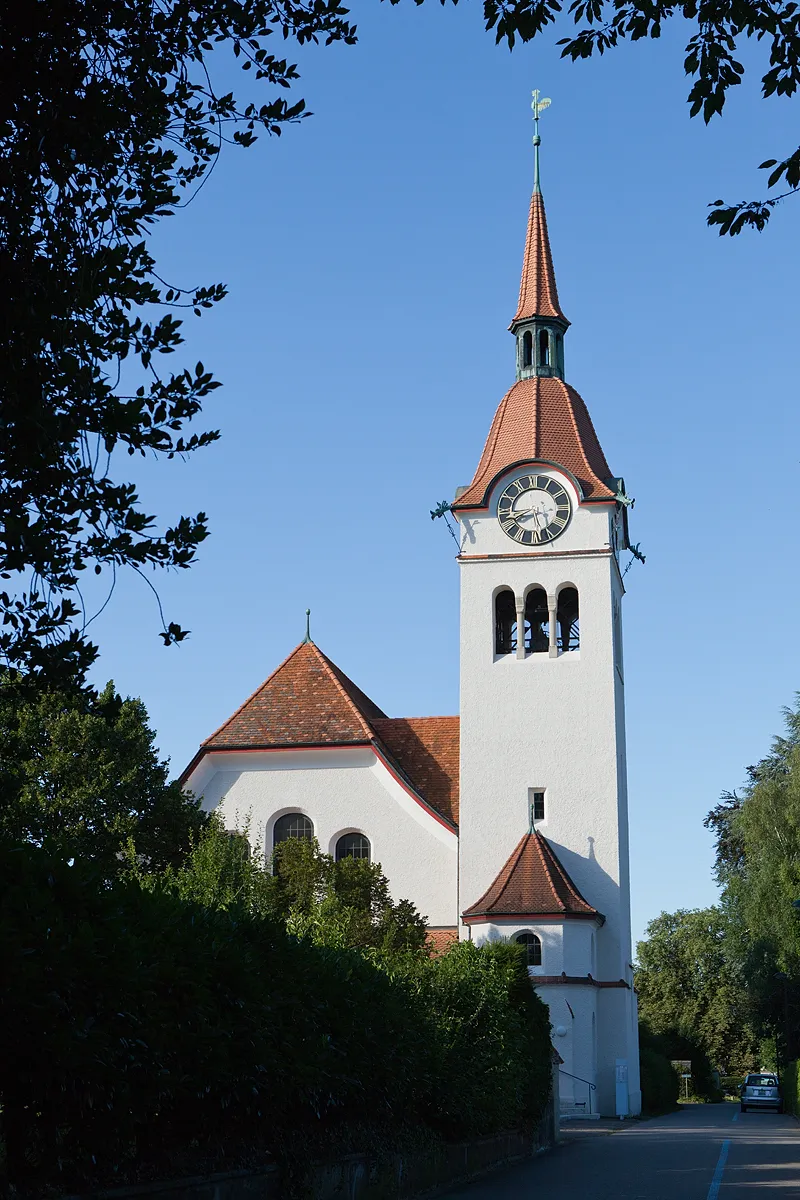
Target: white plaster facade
x=342, y=790
x=555, y=724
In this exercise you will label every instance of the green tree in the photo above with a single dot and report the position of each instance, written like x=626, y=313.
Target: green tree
x=80, y=774
x=758, y=864
x=109, y=122
x=339, y=904
x=719, y=30
x=689, y=987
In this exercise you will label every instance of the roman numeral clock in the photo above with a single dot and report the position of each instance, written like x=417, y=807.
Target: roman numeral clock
x=534, y=509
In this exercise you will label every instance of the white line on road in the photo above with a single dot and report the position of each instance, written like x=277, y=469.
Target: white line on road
x=713, y=1191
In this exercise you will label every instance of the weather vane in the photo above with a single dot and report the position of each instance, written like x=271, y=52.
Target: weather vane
x=538, y=107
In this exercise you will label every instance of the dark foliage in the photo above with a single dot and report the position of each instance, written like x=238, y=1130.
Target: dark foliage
x=79, y=773
x=757, y=832
x=659, y=1079
x=108, y=121
x=141, y=1034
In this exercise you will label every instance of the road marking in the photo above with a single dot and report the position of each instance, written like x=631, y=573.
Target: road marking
x=713, y=1191
x=736, y=1115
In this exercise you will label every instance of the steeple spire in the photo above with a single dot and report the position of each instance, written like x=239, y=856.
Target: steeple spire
x=539, y=324
x=538, y=106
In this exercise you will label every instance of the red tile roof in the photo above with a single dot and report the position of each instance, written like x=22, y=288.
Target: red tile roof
x=541, y=419
x=532, y=882
x=427, y=750
x=538, y=296
x=441, y=939
x=308, y=701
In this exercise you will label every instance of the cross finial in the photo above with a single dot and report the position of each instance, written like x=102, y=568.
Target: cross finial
x=538, y=106
x=307, y=638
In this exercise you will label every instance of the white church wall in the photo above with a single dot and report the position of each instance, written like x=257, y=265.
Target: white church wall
x=341, y=790
x=576, y=1033
x=558, y=725
x=550, y=934
x=567, y=946
x=619, y=1040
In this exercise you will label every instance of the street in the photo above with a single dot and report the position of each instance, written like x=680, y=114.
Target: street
x=703, y=1152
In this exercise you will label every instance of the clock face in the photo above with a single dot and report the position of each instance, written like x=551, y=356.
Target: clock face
x=534, y=509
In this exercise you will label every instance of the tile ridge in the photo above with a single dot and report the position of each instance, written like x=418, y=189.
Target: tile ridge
x=571, y=395
x=253, y=695
x=565, y=878
x=507, y=869
x=333, y=673
x=544, y=847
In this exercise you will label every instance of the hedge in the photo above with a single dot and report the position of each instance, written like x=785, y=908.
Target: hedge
x=142, y=1035
x=790, y=1087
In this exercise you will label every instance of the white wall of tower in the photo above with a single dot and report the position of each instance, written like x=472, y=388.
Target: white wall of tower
x=557, y=724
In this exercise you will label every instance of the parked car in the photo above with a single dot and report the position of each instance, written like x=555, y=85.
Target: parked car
x=761, y=1091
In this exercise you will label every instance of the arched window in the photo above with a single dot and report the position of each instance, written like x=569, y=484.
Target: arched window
x=352, y=845
x=559, y=352
x=533, y=947
x=544, y=348
x=292, y=825
x=527, y=348
x=505, y=622
x=569, y=635
x=537, y=628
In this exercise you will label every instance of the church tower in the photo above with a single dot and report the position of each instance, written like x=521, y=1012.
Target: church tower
x=543, y=829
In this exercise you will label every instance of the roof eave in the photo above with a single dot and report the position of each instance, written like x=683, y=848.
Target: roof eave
x=472, y=918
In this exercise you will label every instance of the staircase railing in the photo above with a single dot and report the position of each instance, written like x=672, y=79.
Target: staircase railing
x=591, y=1086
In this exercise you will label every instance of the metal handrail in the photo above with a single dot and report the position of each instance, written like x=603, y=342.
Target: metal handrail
x=593, y=1086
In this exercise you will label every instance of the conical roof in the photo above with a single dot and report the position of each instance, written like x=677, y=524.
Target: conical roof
x=538, y=295
x=541, y=419
x=531, y=883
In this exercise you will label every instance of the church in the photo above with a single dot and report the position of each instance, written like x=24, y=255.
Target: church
x=510, y=819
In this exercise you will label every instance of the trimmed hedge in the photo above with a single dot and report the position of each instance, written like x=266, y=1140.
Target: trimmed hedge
x=790, y=1087
x=660, y=1083
x=140, y=1033
x=659, y=1080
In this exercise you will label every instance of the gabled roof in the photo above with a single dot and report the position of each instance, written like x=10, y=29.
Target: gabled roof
x=532, y=882
x=538, y=296
x=306, y=701
x=541, y=419
x=309, y=702
x=427, y=750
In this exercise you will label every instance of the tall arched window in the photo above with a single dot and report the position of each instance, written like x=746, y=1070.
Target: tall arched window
x=527, y=348
x=533, y=947
x=352, y=845
x=292, y=825
x=569, y=634
x=544, y=348
x=537, y=628
x=505, y=622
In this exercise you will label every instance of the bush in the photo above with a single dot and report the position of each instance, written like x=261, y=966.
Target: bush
x=142, y=1033
x=790, y=1087
x=659, y=1080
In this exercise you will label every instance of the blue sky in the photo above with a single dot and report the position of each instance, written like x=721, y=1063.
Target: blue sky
x=372, y=255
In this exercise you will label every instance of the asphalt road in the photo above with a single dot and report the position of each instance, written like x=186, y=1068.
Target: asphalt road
x=703, y=1152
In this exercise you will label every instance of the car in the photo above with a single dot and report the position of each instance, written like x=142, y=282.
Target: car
x=761, y=1091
